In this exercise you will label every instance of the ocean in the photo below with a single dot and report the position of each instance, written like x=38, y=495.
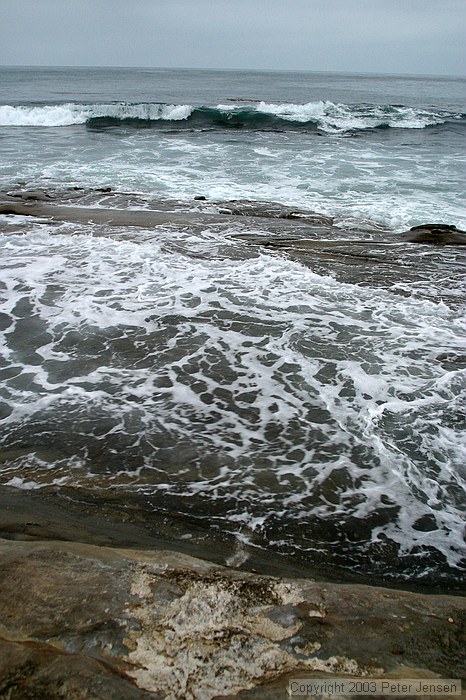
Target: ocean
x=240, y=365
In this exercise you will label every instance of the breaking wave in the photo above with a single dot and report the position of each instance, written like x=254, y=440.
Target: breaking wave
x=312, y=116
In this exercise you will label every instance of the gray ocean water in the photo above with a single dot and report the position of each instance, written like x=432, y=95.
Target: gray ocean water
x=310, y=414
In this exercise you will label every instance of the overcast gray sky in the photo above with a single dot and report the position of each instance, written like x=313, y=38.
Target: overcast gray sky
x=391, y=36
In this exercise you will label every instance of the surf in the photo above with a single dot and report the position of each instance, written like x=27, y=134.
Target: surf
x=320, y=116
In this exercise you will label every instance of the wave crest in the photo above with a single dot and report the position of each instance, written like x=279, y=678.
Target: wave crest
x=323, y=116
x=340, y=117
x=72, y=114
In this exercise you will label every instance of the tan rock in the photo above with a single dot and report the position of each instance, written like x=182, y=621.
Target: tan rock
x=76, y=619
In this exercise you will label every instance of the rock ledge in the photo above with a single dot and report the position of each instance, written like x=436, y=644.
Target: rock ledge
x=82, y=621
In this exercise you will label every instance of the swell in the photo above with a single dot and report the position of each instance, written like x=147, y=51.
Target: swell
x=313, y=116
x=206, y=118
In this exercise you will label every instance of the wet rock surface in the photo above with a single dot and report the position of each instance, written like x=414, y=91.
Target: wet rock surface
x=364, y=255
x=81, y=621
x=272, y=210
x=103, y=205
x=32, y=670
x=437, y=234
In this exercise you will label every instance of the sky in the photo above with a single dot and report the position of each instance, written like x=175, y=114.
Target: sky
x=378, y=36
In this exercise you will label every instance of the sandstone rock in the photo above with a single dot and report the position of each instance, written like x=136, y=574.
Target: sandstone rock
x=35, y=671
x=81, y=621
x=32, y=195
x=272, y=210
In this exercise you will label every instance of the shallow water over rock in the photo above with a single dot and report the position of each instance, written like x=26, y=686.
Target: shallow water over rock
x=280, y=380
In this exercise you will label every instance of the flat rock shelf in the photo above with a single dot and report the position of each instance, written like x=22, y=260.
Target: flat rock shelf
x=140, y=619
x=81, y=621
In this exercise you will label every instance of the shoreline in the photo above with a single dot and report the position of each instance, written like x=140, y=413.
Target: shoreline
x=128, y=616
x=95, y=519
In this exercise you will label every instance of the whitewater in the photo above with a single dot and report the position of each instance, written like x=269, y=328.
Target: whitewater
x=326, y=116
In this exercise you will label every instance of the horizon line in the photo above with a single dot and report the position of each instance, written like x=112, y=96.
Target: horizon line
x=236, y=70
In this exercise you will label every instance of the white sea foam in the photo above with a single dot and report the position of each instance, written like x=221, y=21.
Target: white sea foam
x=198, y=367
x=312, y=111
x=340, y=117
x=372, y=182
x=54, y=115
x=19, y=483
x=72, y=114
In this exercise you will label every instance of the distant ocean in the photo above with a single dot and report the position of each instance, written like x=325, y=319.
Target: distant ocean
x=314, y=416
